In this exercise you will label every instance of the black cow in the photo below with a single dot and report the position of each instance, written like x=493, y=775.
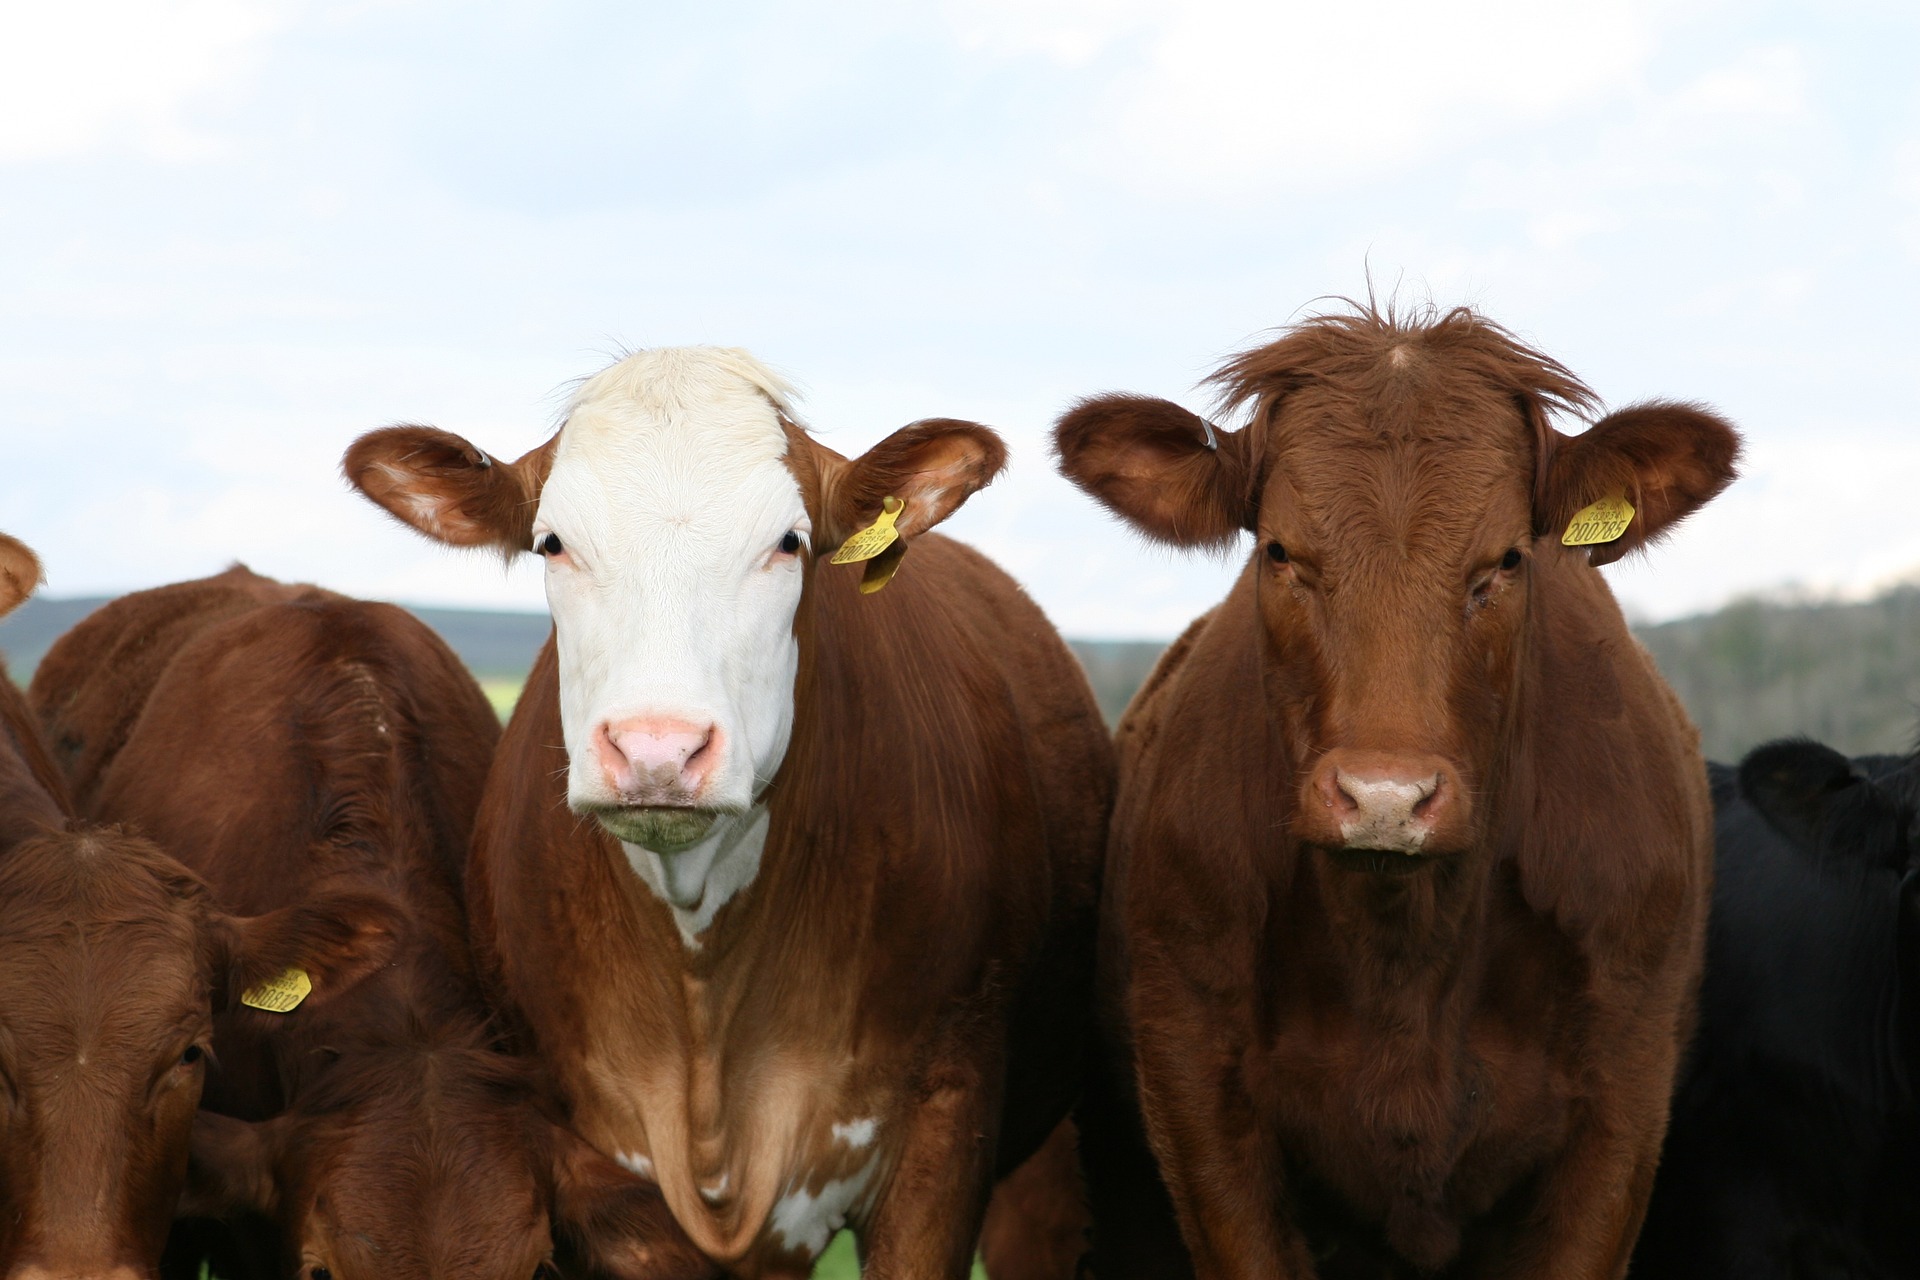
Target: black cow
x=1794, y=1145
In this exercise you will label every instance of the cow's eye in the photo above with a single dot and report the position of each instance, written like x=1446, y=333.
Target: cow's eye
x=321, y=1273
x=192, y=1055
x=790, y=543
x=1276, y=553
x=549, y=545
x=1511, y=560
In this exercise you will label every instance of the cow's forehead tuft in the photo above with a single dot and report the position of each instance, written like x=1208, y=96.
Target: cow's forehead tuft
x=718, y=390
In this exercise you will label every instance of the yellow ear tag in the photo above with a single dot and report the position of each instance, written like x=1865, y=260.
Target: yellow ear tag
x=281, y=994
x=873, y=539
x=1604, y=521
x=881, y=568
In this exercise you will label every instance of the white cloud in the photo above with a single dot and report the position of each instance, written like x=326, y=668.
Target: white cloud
x=77, y=74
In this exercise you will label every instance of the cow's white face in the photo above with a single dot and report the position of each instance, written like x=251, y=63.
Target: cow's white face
x=674, y=526
x=673, y=534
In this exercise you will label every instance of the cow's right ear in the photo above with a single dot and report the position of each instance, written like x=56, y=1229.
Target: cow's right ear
x=232, y=1167
x=1812, y=795
x=448, y=489
x=335, y=939
x=1167, y=472
x=19, y=573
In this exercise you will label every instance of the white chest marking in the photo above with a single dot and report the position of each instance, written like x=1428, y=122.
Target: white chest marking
x=804, y=1221
x=635, y=1163
x=697, y=882
x=857, y=1133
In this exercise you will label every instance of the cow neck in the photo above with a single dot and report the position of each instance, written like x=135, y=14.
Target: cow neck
x=696, y=883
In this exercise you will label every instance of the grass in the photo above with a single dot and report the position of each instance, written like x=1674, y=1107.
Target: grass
x=840, y=1262
x=502, y=692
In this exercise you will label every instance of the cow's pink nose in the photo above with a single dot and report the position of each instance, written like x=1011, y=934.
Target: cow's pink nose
x=656, y=760
x=1388, y=801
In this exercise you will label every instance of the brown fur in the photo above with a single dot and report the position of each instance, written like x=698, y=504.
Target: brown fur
x=113, y=961
x=1037, y=1222
x=917, y=946
x=290, y=742
x=1461, y=1069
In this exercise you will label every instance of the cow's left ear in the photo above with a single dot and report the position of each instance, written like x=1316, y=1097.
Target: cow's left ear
x=232, y=1167
x=19, y=573
x=336, y=939
x=614, y=1223
x=931, y=466
x=1667, y=459
x=1812, y=795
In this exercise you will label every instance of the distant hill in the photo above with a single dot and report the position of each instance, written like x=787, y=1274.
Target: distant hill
x=1847, y=674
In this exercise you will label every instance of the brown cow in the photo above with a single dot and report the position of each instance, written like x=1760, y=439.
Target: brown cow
x=1409, y=869
x=112, y=961
x=804, y=925
x=289, y=741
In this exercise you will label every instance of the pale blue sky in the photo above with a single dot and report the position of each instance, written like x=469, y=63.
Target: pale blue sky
x=235, y=234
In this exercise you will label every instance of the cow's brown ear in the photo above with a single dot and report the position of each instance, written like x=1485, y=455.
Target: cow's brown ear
x=448, y=489
x=232, y=1167
x=19, y=573
x=614, y=1223
x=932, y=466
x=1667, y=459
x=335, y=939
x=1162, y=469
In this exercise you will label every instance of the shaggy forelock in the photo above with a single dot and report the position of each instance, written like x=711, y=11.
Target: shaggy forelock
x=1367, y=349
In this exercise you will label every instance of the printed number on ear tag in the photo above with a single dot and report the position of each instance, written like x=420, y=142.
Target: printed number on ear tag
x=873, y=539
x=1604, y=521
x=280, y=994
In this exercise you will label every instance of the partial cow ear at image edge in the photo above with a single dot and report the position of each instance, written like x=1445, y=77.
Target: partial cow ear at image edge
x=20, y=573
x=449, y=489
x=1667, y=459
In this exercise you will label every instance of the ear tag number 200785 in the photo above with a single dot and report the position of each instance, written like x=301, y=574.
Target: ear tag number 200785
x=1603, y=521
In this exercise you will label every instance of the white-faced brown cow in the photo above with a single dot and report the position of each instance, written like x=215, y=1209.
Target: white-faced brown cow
x=1409, y=867
x=113, y=961
x=792, y=886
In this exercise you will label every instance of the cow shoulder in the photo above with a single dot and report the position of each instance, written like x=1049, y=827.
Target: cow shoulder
x=1614, y=823
x=1204, y=793
x=1140, y=723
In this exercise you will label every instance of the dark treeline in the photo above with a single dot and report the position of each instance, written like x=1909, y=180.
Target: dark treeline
x=1845, y=674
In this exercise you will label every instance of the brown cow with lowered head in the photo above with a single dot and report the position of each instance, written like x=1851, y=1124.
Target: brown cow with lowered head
x=1408, y=877
x=791, y=885
x=288, y=741
x=113, y=958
